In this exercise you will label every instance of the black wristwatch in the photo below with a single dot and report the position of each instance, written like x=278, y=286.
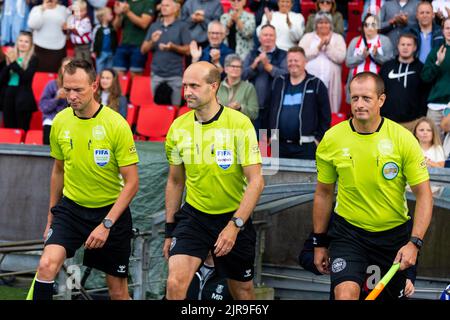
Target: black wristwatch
x=238, y=222
x=417, y=241
x=107, y=223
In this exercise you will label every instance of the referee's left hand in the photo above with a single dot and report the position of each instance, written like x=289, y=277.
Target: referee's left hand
x=225, y=241
x=97, y=238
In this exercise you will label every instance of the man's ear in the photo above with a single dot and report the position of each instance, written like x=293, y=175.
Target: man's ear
x=381, y=99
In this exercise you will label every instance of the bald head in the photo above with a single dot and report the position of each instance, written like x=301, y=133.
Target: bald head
x=206, y=70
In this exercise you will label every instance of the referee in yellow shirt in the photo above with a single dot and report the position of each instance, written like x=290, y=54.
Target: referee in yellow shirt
x=372, y=159
x=213, y=152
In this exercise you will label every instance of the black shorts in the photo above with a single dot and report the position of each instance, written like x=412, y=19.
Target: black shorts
x=353, y=250
x=196, y=233
x=71, y=226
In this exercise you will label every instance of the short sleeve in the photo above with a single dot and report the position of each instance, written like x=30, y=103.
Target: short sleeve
x=248, y=148
x=326, y=172
x=125, y=151
x=414, y=163
x=55, y=149
x=172, y=153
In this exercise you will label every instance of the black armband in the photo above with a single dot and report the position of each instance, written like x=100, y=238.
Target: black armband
x=320, y=240
x=170, y=227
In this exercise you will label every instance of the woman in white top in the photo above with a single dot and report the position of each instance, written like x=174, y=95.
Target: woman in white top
x=47, y=21
x=289, y=25
x=325, y=52
x=427, y=134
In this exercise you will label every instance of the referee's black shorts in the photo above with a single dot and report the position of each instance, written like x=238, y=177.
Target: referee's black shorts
x=353, y=249
x=196, y=233
x=71, y=226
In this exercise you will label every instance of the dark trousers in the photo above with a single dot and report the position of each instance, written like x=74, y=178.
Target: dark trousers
x=13, y=118
x=49, y=60
x=296, y=151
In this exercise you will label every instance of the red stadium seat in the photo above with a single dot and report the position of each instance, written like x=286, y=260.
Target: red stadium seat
x=140, y=92
x=34, y=137
x=337, y=117
x=226, y=5
x=40, y=80
x=154, y=121
x=14, y=136
x=132, y=114
x=36, y=120
x=307, y=7
x=355, y=9
x=183, y=110
x=125, y=84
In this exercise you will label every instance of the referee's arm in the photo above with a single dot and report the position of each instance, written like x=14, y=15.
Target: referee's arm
x=56, y=189
x=174, y=194
x=255, y=186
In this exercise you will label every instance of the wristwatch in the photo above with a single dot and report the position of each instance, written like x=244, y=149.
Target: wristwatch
x=107, y=223
x=417, y=241
x=238, y=222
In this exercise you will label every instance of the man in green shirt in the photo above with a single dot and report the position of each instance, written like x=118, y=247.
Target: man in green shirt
x=94, y=179
x=372, y=159
x=213, y=151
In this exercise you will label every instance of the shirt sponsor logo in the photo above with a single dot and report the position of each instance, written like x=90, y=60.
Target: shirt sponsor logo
x=132, y=149
x=98, y=132
x=390, y=170
x=224, y=158
x=101, y=157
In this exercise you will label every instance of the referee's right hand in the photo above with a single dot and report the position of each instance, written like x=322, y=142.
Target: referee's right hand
x=166, y=247
x=321, y=260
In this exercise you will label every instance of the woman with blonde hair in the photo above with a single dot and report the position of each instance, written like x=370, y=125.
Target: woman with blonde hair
x=109, y=92
x=16, y=79
x=429, y=139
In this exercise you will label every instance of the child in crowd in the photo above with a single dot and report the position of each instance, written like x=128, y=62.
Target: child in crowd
x=109, y=92
x=427, y=134
x=105, y=40
x=80, y=29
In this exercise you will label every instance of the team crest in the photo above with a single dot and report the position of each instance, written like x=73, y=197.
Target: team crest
x=390, y=170
x=338, y=265
x=219, y=288
x=224, y=158
x=101, y=157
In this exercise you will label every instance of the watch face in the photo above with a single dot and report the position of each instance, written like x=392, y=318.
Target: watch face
x=238, y=222
x=107, y=223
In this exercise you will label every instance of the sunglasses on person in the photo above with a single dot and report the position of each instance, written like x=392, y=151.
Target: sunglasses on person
x=370, y=24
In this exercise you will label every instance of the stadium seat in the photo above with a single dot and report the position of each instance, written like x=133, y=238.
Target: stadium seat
x=34, y=137
x=140, y=92
x=183, y=110
x=154, y=121
x=36, y=120
x=8, y=135
x=226, y=5
x=132, y=114
x=337, y=117
x=40, y=80
x=355, y=9
x=125, y=84
x=148, y=65
x=307, y=7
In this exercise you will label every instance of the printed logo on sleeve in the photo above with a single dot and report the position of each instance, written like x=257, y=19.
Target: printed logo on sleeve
x=101, y=157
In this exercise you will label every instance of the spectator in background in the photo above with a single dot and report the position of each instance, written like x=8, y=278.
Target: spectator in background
x=328, y=6
x=396, y=17
x=445, y=126
x=216, y=51
x=168, y=40
x=133, y=17
x=80, y=30
x=261, y=66
x=289, y=25
x=373, y=7
x=109, y=92
x=427, y=134
x=325, y=51
x=13, y=19
x=441, y=8
x=299, y=109
x=437, y=72
x=240, y=28
x=236, y=93
x=92, y=6
x=2, y=65
x=15, y=79
x=406, y=93
x=47, y=21
x=105, y=40
x=427, y=32
x=198, y=14
x=258, y=7
x=368, y=51
x=52, y=101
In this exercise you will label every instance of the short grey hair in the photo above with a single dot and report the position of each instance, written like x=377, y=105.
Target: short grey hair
x=230, y=58
x=216, y=22
x=323, y=15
